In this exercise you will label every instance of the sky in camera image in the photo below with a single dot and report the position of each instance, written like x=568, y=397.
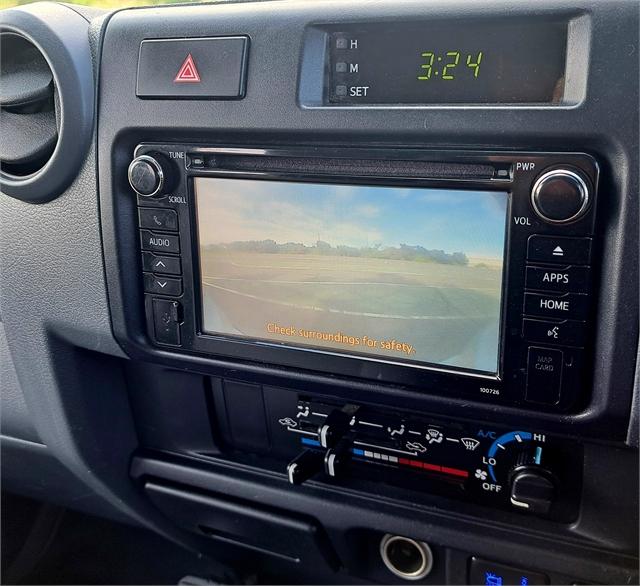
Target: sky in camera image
x=360, y=216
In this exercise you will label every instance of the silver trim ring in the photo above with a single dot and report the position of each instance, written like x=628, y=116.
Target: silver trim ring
x=323, y=435
x=291, y=469
x=154, y=163
x=422, y=547
x=582, y=186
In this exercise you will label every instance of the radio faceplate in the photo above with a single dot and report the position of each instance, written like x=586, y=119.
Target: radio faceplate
x=546, y=277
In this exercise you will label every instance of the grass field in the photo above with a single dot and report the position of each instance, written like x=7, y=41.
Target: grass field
x=432, y=312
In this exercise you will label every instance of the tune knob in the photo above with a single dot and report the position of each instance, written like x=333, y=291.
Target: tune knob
x=149, y=175
x=560, y=196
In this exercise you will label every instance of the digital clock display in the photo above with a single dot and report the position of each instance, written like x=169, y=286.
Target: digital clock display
x=447, y=63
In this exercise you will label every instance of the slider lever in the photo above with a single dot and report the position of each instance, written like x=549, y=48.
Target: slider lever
x=336, y=424
x=304, y=466
x=337, y=459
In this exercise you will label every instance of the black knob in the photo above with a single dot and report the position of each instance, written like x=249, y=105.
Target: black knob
x=337, y=459
x=532, y=490
x=560, y=196
x=304, y=466
x=149, y=176
x=336, y=424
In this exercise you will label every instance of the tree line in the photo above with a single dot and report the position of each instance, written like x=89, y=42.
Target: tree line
x=402, y=252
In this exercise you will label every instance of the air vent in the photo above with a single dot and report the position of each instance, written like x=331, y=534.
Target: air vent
x=27, y=106
x=46, y=99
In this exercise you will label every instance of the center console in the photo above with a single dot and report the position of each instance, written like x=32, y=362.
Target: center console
x=377, y=286
x=456, y=274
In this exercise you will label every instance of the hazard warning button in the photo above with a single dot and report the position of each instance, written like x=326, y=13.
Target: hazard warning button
x=210, y=68
x=188, y=72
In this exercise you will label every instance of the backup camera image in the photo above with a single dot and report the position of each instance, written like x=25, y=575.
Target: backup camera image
x=397, y=273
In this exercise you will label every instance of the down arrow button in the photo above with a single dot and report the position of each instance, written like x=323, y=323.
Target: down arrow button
x=161, y=285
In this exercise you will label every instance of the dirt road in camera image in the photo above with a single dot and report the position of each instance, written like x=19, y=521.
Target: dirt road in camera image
x=420, y=311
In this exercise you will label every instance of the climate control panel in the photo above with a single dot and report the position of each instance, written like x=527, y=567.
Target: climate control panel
x=518, y=469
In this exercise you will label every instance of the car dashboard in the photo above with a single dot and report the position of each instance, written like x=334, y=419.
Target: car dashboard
x=344, y=292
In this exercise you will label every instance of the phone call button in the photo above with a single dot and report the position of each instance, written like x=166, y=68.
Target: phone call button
x=158, y=219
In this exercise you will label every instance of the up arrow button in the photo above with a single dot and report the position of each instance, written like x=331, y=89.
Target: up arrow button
x=164, y=265
x=559, y=249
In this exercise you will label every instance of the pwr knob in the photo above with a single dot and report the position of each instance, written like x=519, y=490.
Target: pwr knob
x=560, y=196
x=149, y=176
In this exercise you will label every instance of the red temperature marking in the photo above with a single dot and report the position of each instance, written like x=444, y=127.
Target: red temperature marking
x=455, y=472
x=433, y=467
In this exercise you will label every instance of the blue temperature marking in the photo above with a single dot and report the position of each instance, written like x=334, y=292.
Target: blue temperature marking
x=310, y=442
x=357, y=452
x=498, y=444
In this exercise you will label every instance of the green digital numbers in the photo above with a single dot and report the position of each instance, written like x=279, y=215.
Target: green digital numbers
x=456, y=58
x=475, y=65
x=449, y=60
x=427, y=67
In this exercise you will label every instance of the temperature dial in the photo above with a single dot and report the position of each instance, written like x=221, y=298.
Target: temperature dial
x=532, y=489
x=517, y=457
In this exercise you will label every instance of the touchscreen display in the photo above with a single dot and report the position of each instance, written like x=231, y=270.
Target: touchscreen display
x=398, y=274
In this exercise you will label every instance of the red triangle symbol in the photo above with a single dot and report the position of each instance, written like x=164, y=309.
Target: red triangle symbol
x=188, y=72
